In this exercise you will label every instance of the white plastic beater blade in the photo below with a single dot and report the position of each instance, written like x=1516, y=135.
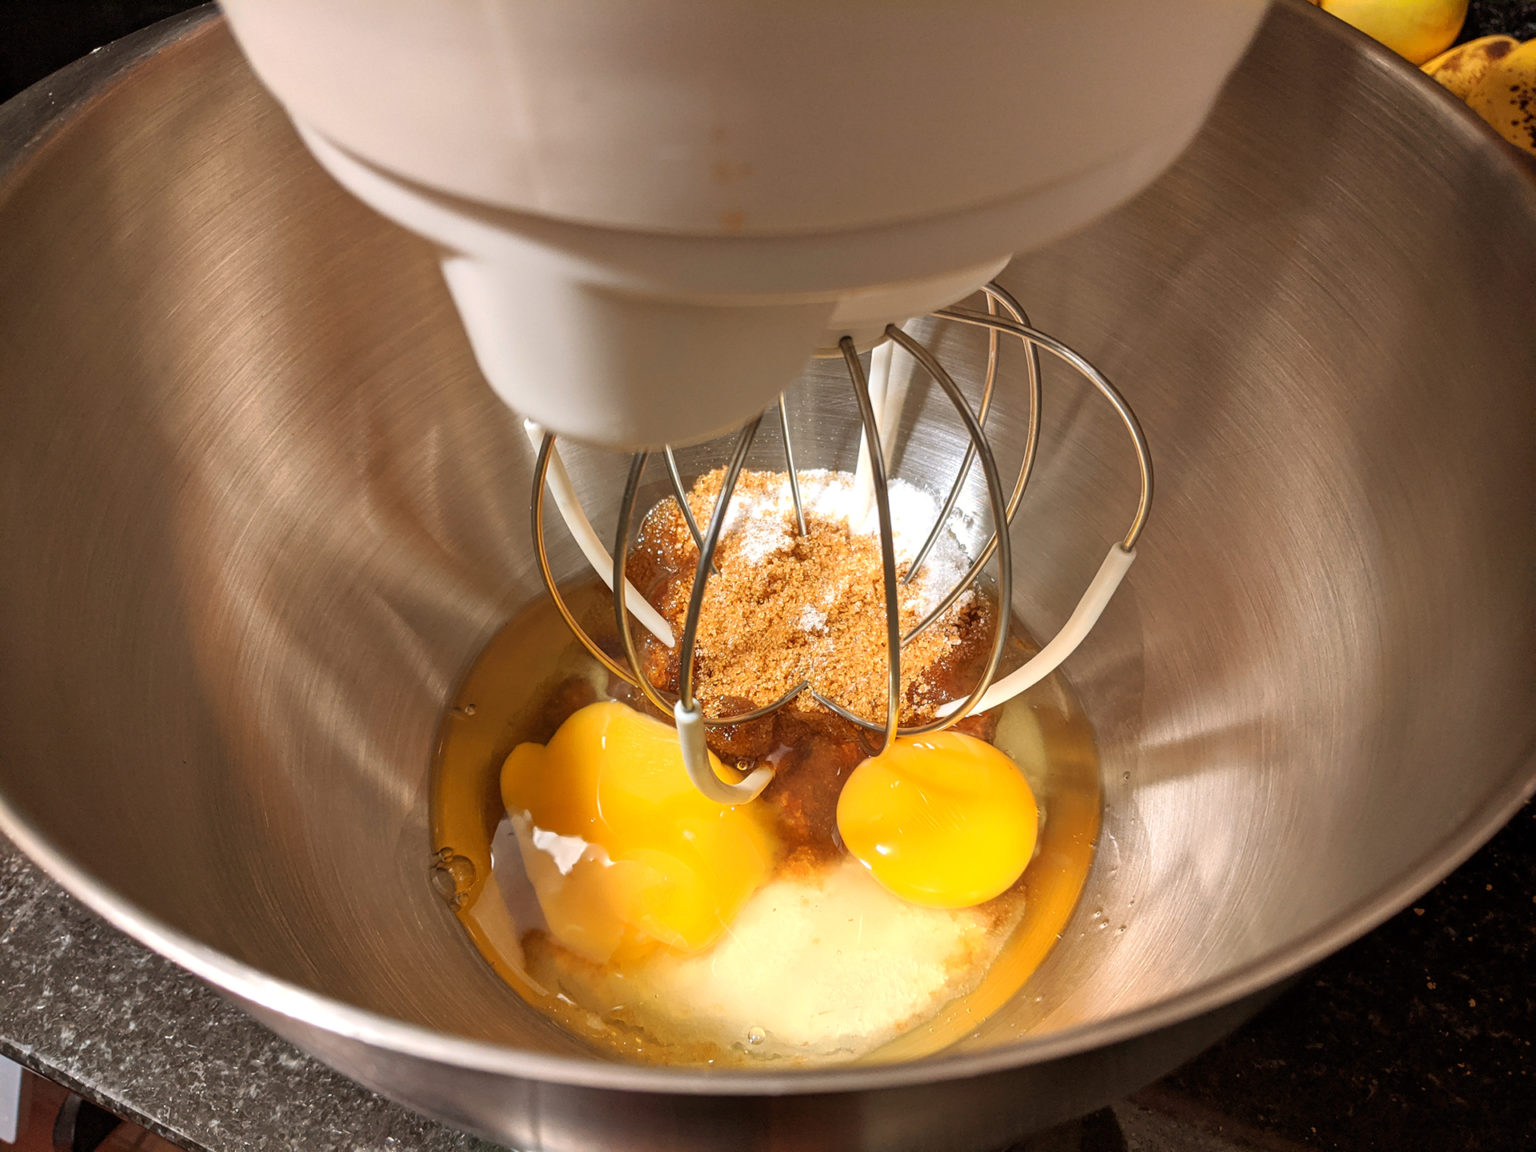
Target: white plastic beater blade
x=863, y=481
x=690, y=734
x=587, y=540
x=1099, y=592
x=888, y=387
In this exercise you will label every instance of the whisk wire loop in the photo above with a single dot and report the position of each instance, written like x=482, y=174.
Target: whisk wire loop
x=636, y=675
x=882, y=495
x=541, y=553
x=689, y=717
x=994, y=293
x=686, y=655
x=989, y=690
x=789, y=467
x=1098, y=380
x=680, y=494
x=957, y=710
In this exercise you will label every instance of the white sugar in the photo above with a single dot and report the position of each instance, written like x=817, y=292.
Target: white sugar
x=761, y=524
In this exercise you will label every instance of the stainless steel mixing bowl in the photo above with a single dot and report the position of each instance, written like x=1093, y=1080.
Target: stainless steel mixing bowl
x=260, y=513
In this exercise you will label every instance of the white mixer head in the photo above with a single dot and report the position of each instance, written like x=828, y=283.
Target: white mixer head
x=653, y=212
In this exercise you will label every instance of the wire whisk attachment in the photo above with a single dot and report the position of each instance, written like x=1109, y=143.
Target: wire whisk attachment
x=879, y=396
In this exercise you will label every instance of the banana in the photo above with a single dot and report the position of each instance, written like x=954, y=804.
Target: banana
x=1506, y=97
x=1462, y=68
x=1416, y=29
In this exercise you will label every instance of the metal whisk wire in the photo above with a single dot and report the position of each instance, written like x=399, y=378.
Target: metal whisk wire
x=549, y=474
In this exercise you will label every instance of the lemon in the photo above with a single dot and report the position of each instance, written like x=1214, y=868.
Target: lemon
x=1415, y=29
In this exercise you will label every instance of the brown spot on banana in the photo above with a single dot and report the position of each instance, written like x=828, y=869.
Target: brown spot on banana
x=1462, y=68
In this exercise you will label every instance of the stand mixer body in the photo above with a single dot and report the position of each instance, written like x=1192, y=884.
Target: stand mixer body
x=652, y=214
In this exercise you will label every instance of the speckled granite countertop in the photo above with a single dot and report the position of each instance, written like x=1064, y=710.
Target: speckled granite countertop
x=93, y=1010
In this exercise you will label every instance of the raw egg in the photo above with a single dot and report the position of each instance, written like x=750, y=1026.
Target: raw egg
x=943, y=820
x=623, y=852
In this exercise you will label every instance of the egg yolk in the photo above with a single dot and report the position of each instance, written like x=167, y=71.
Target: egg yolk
x=623, y=852
x=943, y=820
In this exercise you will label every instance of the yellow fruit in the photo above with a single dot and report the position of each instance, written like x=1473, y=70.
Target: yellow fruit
x=1416, y=29
x=1461, y=68
x=1506, y=97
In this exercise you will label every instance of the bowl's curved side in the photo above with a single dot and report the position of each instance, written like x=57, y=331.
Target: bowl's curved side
x=970, y=1114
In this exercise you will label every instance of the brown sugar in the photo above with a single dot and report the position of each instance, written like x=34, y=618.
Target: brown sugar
x=785, y=609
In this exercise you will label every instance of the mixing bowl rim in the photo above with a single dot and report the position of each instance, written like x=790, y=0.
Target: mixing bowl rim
x=29, y=120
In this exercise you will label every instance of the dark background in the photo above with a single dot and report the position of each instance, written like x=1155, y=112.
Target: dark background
x=1418, y=1036
x=39, y=36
